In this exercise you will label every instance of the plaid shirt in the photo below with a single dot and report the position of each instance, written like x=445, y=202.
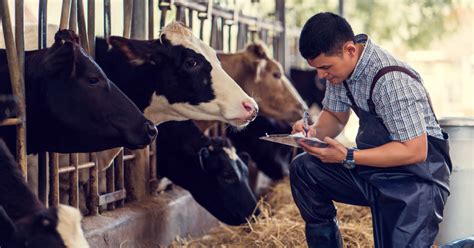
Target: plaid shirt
x=400, y=100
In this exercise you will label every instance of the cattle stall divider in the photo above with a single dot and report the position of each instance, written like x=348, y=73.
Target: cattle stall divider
x=109, y=188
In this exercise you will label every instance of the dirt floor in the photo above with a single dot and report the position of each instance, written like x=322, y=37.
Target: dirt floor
x=280, y=225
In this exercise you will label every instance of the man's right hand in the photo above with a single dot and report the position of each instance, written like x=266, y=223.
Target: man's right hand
x=299, y=127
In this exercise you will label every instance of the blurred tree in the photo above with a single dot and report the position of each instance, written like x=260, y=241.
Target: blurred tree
x=410, y=23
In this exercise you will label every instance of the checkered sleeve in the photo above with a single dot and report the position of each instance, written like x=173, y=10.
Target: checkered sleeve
x=399, y=102
x=333, y=98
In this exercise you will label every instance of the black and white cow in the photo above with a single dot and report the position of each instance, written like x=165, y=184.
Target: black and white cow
x=25, y=221
x=71, y=104
x=271, y=158
x=176, y=77
x=208, y=168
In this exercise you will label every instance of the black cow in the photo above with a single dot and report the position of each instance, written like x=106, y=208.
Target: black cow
x=208, y=168
x=71, y=105
x=271, y=158
x=24, y=220
x=309, y=85
x=176, y=77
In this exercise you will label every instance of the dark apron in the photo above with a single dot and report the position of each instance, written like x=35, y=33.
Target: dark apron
x=399, y=194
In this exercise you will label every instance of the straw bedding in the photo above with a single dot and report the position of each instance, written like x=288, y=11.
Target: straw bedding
x=280, y=225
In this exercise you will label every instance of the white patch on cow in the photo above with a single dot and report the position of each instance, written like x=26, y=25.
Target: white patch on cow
x=69, y=227
x=231, y=153
x=228, y=104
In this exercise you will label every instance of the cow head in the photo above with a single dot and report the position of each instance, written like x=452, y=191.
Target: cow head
x=79, y=109
x=264, y=78
x=56, y=227
x=189, y=81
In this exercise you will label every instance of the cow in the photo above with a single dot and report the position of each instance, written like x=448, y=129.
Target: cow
x=175, y=77
x=25, y=221
x=71, y=105
x=208, y=168
x=309, y=85
x=263, y=77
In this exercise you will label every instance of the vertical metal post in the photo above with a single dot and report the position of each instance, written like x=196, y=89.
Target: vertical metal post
x=42, y=23
x=17, y=82
x=65, y=12
x=53, y=179
x=190, y=18
x=138, y=20
x=110, y=176
x=19, y=31
x=153, y=174
x=74, y=180
x=91, y=26
x=151, y=19
x=119, y=182
x=107, y=19
x=73, y=16
x=164, y=6
x=127, y=17
x=93, y=203
x=43, y=187
x=81, y=20
x=341, y=7
x=283, y=56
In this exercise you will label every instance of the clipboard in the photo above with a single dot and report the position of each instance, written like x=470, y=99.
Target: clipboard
x=293, y=139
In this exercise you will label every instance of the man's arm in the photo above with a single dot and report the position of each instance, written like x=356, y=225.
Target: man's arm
x=330, y=124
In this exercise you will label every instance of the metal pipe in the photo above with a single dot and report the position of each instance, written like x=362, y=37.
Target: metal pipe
x=93, y=203
x=81, y=21
x=151, y=19
x=120, y=182
x=65, y=11
x=74, y=180
x=42, y=23
x=110, y=183
x=19, y=34
x=107, y=19
x=43, y=187
x=73, y=16
x=127, y=17
x=53, y=179
x=79, y=167
x=91, y=26
x=138, y=30
x=17, y=83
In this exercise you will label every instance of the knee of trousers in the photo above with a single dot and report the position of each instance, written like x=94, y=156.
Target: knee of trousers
x=299, y=169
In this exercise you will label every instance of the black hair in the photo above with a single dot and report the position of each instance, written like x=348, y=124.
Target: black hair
x=324, y=33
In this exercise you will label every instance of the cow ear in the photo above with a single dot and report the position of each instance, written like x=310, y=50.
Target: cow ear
x=137, y=52
x=258, y=50
x=60, y=59
x=8, y=230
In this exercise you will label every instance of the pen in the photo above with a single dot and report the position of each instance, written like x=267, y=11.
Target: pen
x=305, y=122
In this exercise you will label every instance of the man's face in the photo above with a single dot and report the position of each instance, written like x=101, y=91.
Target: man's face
x=336, y=68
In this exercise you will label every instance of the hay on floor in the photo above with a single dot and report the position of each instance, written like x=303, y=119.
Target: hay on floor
x=280, y=225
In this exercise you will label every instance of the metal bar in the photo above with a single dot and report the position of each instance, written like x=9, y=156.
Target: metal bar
x=81, y=21
x=190, y=18
x=163, y=18
x=153, y=173
x=73, y=16
x=107, y=20
x=43, y=186
x=341, y=7
x=127, y=17
x=138, y=20
x=10, y=122
x=72, y=168
x=16, y=79
x=65, y=11
x=93, y=203
x=110, y=198
x=53, y=179
x=228, y=14
x=19, y=33
x=110, y=177
x=74, y=180
x=151, y=19
x=120, y=182
x=42, y=23
x=91, y=26
x=129, y=157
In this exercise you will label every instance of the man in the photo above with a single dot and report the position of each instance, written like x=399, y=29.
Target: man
x=401, y=165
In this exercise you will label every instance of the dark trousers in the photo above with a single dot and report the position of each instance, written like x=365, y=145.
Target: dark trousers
x=406, y=209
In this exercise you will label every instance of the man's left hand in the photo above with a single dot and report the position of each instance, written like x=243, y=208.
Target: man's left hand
x=335, y=152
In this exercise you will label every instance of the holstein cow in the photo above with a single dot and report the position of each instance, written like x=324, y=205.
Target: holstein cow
x=263, y=77
x=25, y=221
x=71, y=105
x=176, y=77
x=309, y=85
x=208, y=168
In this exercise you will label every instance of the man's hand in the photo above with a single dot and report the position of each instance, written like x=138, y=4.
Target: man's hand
x=334, y=153
x=299, y=127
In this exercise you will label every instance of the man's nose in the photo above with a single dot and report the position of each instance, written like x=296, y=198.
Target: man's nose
x=322, y=73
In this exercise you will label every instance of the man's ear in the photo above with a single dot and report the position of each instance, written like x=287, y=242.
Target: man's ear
x=350, y=47
x=137, y=52
x=60, y=59
x=7, y=229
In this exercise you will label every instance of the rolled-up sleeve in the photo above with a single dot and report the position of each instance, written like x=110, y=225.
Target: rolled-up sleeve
x=334, y=98
x=399, y=102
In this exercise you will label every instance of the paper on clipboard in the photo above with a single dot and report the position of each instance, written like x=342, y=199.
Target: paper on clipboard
x=292, y=140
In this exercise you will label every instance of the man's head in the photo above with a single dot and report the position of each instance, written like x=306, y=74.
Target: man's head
x=327, y=43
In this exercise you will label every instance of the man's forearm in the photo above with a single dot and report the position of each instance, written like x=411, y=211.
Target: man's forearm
x=329, y=125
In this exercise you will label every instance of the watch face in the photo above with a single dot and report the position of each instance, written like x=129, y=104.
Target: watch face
x=349, y=164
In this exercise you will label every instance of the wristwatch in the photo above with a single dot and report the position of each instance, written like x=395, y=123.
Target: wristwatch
x=349, y=162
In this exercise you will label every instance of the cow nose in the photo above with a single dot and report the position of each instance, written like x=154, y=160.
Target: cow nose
x=152, y=131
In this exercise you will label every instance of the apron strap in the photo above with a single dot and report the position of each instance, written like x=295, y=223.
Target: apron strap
x=388, y=69
x=351, y=98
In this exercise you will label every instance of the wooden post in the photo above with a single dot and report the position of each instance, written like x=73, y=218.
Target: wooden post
x=73, y=16
x=127, y=17
x=81, y=21
x=138, y=20
x=91, y=26
x=151, y=19
x=65, y=11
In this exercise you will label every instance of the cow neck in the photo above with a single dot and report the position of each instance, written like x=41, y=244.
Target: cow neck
x=15, y=196
x=234, y=65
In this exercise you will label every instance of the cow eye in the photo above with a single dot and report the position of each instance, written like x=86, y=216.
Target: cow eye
x=277, y=75
x=94, y=80
x=190, y=63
